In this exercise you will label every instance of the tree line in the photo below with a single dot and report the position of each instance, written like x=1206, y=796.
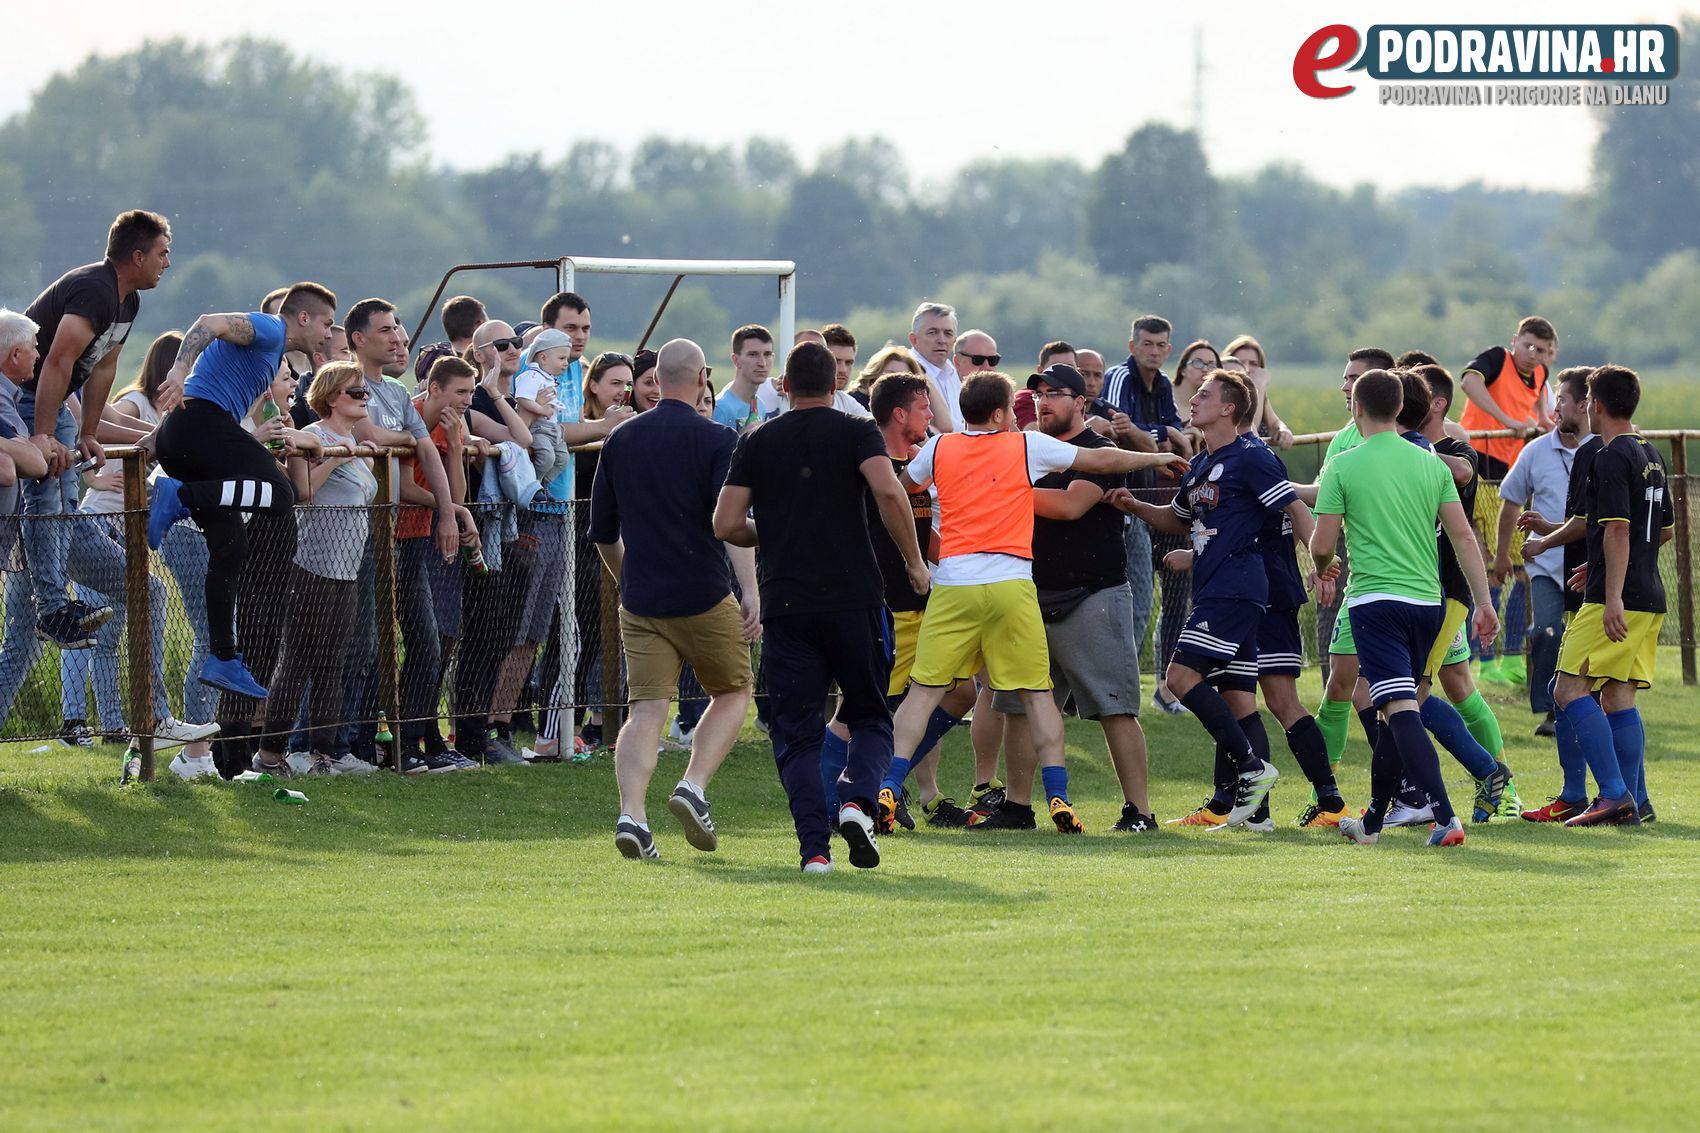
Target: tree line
x=274, y=168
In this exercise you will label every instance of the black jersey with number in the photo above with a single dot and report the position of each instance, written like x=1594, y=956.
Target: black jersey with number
x=1453, y=584
x=1576, y=503
x=1627, y=484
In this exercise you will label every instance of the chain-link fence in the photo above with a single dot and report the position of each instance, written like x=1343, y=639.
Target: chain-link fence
x=371, y=642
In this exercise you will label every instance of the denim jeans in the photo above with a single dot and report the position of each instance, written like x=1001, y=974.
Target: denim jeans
x=95, y=562
x=1137, y=539
x=1546, y=628
x=45, y=543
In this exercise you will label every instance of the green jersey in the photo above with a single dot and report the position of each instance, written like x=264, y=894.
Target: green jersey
x=1389, y=492
x=1345, y=440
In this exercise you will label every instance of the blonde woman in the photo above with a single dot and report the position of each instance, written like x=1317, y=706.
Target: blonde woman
x=1269, y=424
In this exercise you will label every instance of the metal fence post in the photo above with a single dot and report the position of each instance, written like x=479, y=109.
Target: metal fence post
x=138, y=617
x=1684, y=554
x=613, y=707
x=383, y=551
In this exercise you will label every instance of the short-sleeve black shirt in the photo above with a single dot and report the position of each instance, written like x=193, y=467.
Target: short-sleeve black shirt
x=899, y=595
x=90, y=291
x=803, y=470
x=1088, y=551
x=1453, y=584
x=1576, y=503
x=1628, y=483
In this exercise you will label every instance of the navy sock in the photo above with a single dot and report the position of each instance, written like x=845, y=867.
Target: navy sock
x=1593, y=734
x=1257, y=735
x=1056, y=782
x=1440, y=718
x=834, y=754
x=1213, y=712
x=1310, y=749
x=1383, y=779
x=1570, y=761
x=1422, y=765
x=1629, y=737
x=1372, y=725
x=1222, y=779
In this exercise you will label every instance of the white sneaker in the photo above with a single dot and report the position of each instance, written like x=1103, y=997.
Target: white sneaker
x=818, y=865
x=299, y=762
x=197, y=767
x=171, y=732
x=1402, y=815
x=1353, y=828
x=349, y=764
x=679, y=735
x=1250, y=791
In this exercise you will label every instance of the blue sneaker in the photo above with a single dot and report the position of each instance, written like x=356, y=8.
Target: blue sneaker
x=164, y=510
x=231, y=676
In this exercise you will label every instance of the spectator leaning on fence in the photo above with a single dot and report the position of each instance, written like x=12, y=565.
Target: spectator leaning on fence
x=651, y=520
x=1507, y=390
x=84, y=319
x=330, y=545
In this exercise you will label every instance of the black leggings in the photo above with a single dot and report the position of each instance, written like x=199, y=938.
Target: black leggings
x=492, y=609
x=312, y=655
x=225, y=473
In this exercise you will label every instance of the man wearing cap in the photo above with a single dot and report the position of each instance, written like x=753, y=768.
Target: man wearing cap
x=1080, y=571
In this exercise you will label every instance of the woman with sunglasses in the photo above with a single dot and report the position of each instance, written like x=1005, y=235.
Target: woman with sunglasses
x=330, y=546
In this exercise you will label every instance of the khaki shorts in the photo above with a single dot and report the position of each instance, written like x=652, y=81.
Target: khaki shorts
x=712, y=641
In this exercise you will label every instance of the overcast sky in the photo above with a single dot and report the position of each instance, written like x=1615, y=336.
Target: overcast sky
x=948, y=81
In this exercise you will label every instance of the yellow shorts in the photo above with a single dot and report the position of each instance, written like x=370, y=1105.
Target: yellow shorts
x=1587, y=651
x=994, y=624
x=905, y=632
x=1456, y=612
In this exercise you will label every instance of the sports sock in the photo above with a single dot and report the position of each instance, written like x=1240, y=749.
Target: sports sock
x=1593, y=735
x=644, y=826
x=1371, y=722
x=1333, y=719
x=1222, y=778
x=1213, y=712
x=938, y=724
x=1422, y=765
x=692, y=788
x=834, y=754
x=1440, y=718
x=1310, y=749
x=1257, y=735
x=1629, y=737
x=1481, y=721
x=1570, y=761
x=1056, y=782
x=1383, y=780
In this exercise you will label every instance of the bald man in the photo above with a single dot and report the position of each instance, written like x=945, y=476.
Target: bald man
x=651, y=519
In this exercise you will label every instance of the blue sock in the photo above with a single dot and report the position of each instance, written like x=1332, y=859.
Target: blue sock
x=1629, y=737
x=1056, y=782
x=834, y=754
x=1593, y=736
x=1443, y=721
x=1570, y=762
x=938, y=724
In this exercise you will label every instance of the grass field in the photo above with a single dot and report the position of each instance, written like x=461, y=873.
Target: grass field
x=468, y=952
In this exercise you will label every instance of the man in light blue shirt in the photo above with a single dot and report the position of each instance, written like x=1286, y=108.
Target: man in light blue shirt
x=1538, y=482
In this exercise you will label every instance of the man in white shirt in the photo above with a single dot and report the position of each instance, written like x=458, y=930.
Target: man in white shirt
x=932, y=336
x=842, y=344
x=1540, y=482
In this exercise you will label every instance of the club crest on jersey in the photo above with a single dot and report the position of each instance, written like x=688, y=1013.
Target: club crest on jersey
x=1207, y=494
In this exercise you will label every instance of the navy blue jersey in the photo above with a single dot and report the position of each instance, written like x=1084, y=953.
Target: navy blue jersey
x=1280, y=557
x=1226, y=496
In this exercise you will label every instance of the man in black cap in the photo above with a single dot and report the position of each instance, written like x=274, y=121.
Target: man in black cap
x=1080, y=571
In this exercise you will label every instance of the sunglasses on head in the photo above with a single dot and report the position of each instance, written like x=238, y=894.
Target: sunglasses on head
x=513, y=343
x=983, y=359
x=358, y=393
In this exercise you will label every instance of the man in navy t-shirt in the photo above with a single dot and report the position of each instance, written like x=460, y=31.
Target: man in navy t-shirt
x=216, y=471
